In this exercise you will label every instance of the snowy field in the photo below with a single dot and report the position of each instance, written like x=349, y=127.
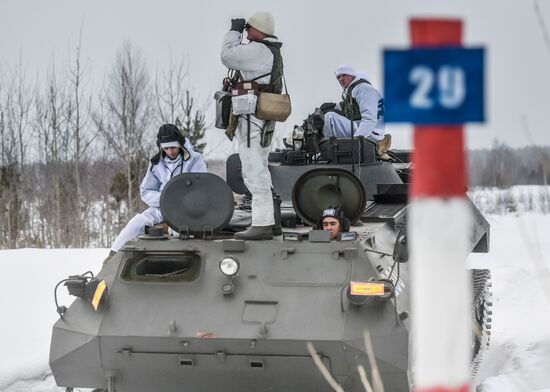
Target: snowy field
x=26, y=298
x=518, y=358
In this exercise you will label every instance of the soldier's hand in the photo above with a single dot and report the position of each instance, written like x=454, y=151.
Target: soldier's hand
x=238, y=24
x=328, y=107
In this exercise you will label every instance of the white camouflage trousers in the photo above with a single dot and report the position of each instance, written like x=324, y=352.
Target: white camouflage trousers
x=136, y=226
x=255, y=171
x=339, y=126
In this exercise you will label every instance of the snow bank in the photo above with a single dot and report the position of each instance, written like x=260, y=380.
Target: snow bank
x=517, y=359
x=26, y=299
x=517, y=199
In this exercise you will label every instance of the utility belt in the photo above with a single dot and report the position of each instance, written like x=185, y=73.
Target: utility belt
x=241, y=99
x=244, y=97
x=255, y=98
x=251, y=98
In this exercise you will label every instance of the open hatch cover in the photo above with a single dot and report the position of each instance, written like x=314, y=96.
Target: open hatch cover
x=197, y=202
x=321, y=188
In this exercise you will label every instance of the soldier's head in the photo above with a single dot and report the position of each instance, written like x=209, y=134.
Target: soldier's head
x=170, y=141
x=333, y=220
x=259, y=26
x=345, y=75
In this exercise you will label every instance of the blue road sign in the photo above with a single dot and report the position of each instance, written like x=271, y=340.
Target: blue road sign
x=434, y=86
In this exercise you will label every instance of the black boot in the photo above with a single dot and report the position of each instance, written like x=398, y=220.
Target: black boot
x=256, y=233
x=277, y=230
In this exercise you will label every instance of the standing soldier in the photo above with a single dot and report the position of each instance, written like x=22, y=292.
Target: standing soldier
x=259, y=61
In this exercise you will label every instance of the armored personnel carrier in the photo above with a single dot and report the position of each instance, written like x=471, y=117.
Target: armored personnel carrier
x=201, y=311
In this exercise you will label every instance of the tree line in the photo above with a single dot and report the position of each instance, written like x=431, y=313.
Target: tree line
x=502, y=166
x=72, y=157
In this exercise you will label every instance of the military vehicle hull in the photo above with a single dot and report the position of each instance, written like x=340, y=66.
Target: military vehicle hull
x=253, y=339
x=173, y=321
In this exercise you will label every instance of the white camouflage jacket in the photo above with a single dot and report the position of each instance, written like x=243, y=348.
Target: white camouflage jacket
x=371, y=106
x=158, y=175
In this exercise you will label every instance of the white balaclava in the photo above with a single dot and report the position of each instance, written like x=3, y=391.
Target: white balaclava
x=345, y=69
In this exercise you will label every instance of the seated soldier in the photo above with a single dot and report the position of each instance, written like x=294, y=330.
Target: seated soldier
x=333, y=220
x=175, y=156
x=362, y=103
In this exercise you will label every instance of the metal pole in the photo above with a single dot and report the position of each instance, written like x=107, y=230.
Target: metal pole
x=438, y=231
x=352, y=137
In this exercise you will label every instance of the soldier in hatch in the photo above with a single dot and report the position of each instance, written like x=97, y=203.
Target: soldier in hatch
x=333, y=220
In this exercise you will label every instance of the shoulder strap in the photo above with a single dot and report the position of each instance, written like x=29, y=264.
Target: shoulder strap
x=277, y=72
x=261, y=76
x=284, y=83
x=276, y=59
x=238, y=77
x=355, y=84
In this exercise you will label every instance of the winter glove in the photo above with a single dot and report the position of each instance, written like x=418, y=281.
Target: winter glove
x=238, y=24
x=328, y=107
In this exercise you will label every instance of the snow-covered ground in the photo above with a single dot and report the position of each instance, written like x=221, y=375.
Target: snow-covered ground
x=518, y=358
x=28, y=310
x=519, y=198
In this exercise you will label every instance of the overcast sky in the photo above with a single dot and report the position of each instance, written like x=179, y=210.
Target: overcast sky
x=317, y=36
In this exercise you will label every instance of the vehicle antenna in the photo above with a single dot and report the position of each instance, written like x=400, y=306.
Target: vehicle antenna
x=352, y=138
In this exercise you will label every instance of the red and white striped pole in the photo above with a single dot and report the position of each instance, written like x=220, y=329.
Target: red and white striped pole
x=438, y=230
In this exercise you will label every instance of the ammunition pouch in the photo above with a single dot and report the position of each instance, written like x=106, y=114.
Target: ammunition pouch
x=288, y=157
x=341, y=150
x=244, y=97
x=351, y=110
x=223, y=109
x=231, y=126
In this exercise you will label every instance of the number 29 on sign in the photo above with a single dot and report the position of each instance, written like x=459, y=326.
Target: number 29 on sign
x=446, y=86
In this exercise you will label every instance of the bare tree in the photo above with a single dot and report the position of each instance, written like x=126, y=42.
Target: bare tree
x=542, y=24
x=175, y=104
x=169, y=87
x=15, y=102
x=17, y=106
x=50, y=123
x=124, y=116
x=78, y=118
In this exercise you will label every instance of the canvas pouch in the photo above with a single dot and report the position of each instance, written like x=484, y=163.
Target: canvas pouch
x=273, y=107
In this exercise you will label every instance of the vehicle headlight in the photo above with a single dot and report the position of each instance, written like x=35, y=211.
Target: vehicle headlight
x=229, y=266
